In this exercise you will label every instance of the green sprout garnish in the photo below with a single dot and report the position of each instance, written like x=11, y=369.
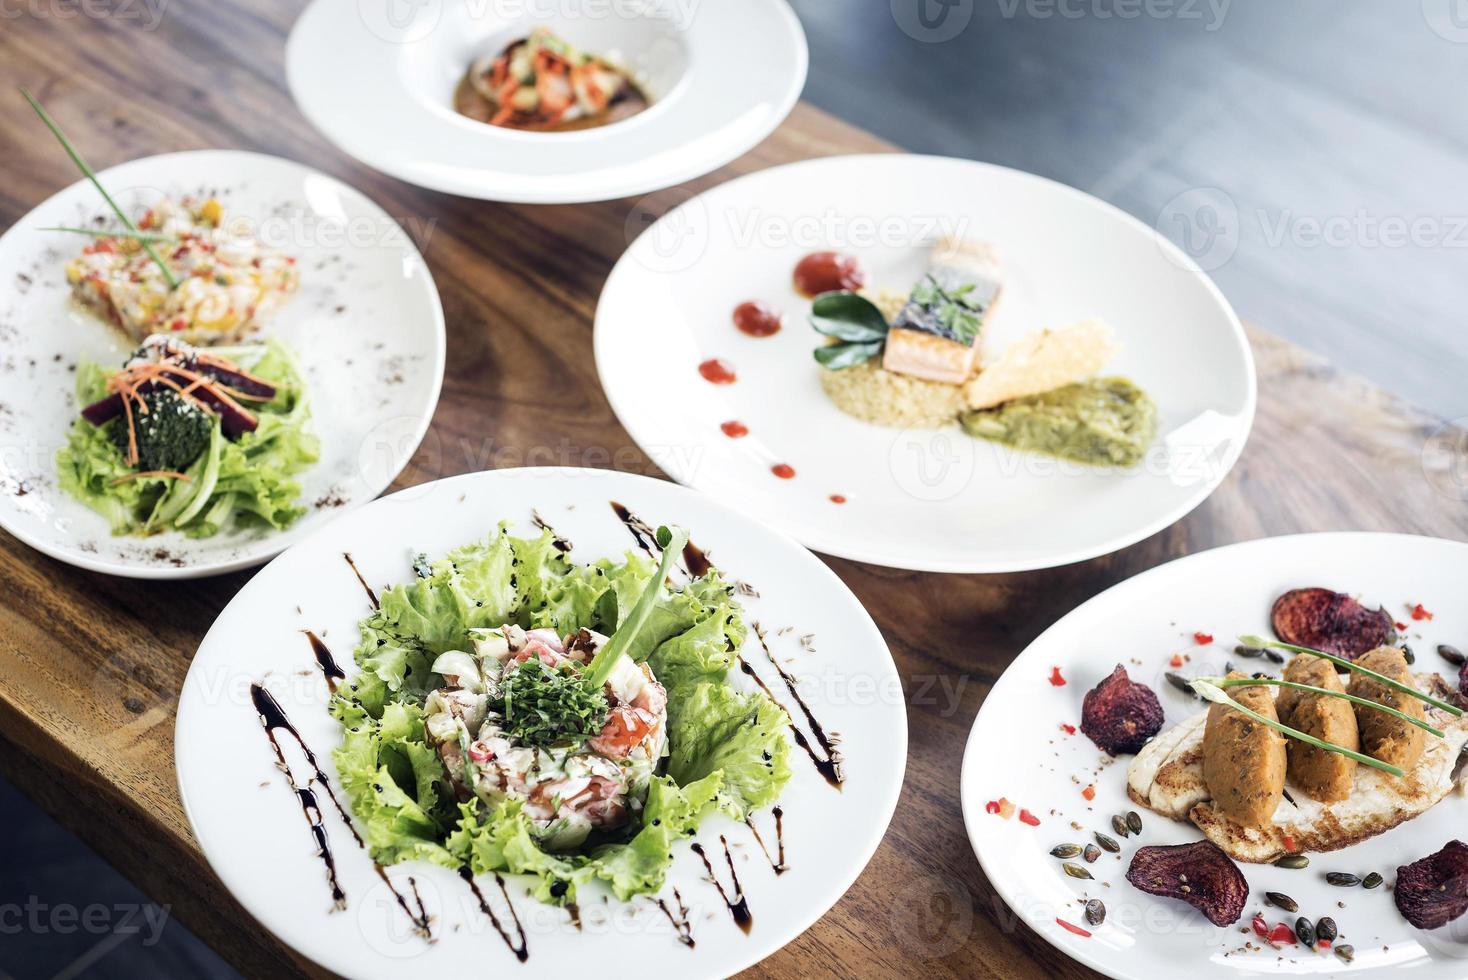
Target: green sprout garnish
x=141, y=236
x=1274, y=682
x=1260, y=643
x=81, y=164
x=671, y=542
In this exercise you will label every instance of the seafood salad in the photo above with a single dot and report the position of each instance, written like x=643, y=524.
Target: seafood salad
x=491, y=729
x=543, y=83
x=226, y=283
x=190, y=440
x=517, y=712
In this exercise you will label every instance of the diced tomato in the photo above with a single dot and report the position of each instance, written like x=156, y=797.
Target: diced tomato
x=1283, y=934
x=1089, y=792
x=1000, y=807
x=1177, y=660
x=179, y=323
x=1419, y=613
x=1068, y=729
x=1026, y=816
x=1202, y=639
x=1075, y=929
x=1055, y=679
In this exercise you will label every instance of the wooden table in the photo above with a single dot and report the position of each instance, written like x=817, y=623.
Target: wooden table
x=91, y=666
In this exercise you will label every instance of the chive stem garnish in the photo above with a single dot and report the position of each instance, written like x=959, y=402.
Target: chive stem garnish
x=81, y=164
x=1216, y=694
x=142, y=236
x=1273, y=682
x=1261, y=642
x=671, y=542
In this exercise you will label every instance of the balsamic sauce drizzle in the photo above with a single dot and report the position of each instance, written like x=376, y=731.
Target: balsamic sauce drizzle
x=645, y=534
x=830, y=767
x=563, y=545
x=777, y=861
x=329, y=668
x=520, y=949
x=274, y=718
x=738, y=906
x=680, y=922
x=371, y=596
x=698, y=563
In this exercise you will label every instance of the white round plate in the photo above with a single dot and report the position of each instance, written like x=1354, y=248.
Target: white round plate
x=927, y=499
x=252, y=832
x=1019, y=751
x=366, y=327
x=377, y=78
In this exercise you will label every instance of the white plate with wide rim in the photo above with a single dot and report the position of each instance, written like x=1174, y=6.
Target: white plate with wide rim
x=377, y=78
x=1142, y=623
x=926, y=499
x=366, y=327
x=250, y=826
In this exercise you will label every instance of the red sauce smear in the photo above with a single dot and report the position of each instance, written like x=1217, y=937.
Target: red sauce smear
x=734, y=430
x=1055, y=679
x=1075, y=929
x=717, y=371
x=783, y=470
x=821, y=272
x=756, y=319
x=1202, y=639
x=837, y=498
x=1419, y=613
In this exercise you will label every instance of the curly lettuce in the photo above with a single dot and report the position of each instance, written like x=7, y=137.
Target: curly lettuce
x=235, y=483
x=728, y=750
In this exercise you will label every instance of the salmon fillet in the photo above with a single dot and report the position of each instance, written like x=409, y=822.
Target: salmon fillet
x=918, y=343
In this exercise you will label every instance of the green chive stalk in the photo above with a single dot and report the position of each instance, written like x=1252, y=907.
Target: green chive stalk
x=1274, y=682
x=142, y=236
x=600, y=668
x=1260, y=643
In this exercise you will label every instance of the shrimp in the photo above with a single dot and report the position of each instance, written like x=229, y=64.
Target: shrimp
x=634, y=722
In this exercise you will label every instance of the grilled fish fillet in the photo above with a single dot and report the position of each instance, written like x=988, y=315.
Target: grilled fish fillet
x=1167, y=777
x=920, y=346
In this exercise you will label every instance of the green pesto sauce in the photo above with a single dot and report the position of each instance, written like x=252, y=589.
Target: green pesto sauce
x=1100, y=422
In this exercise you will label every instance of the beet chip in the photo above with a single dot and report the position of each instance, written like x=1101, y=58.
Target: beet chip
x=1120, y=715
x=1434, y=891
x=1199, y=874
x=1330, y=621
x=1463, y=680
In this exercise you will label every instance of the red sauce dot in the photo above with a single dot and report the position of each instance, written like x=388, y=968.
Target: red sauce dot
x=821, y=272
x=756, y=319
x=717, y=371
x=734, y=430
x=783, y=470
x=837, y=498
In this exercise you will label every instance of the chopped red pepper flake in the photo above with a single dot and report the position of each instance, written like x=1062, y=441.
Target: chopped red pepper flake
x=1202, y=639
x=1401, y=627
x=1289, y=843
x=1000, y=807
x=1419, y=613
x=1323, y=943
x=1283, y=934
x=1177, y=660
x=1089, y=792
x=1055, y=678
x=1075, y=929
x=1261, y=928
x=992, y=806
x=1026, y=816
x=1068, y=729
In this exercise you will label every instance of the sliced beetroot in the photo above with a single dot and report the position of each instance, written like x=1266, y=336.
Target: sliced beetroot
x=1330, y=621
x=1199, y=874
x=1463, y=680
x=1434, y=891
x=1120, y=715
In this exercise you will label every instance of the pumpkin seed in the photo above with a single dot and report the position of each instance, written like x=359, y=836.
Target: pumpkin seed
x=1451, y=654
x=1274, y=655
x=1294, y=861
x=1325, y=930
x=1347, y=953
x=1065, y=850
x=1118, y=824
x=1075, y=870
x=1282, y=900
x=1343, y=879
x=1407, y=653
x=1371, y=880
x=1108, y=843
x=1091, y=853
x=1180, y=682
x=1095, y=912
x=1134, y=821
x=1248, y=652
x=1305, y=930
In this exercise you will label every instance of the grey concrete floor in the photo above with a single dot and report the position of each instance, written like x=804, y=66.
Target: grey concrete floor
x=1312, y=153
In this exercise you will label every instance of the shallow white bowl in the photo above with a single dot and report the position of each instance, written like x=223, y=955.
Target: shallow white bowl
x=928, y=499
x=1017, y=750
x=250, y=827
x=366, y=327
x=377, y=78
